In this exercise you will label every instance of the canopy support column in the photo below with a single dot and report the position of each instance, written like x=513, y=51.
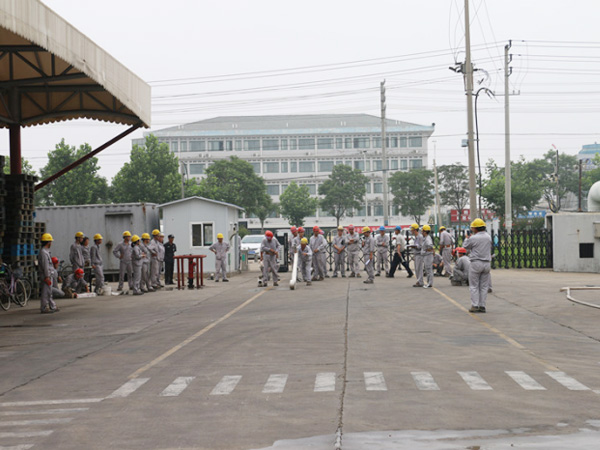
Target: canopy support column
x=83, y=159
x=15, y=149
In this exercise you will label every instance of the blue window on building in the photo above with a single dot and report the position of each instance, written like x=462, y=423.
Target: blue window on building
x=325, y=143
x=415, y=141
x=270, y=144
x=197, y=146
x=416, y=163
x=307, y=166
x=306, y=144
x=325, y=166
x=271, y=167
x=216, y=146
x=252, y=145
x=273, y=189
x=196, y=169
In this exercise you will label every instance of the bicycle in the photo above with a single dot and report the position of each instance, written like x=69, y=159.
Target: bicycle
x=12, y=289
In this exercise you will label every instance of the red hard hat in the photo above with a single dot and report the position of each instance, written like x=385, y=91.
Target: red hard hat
x=461, y=250
x=54, y=260
x=293, y=229
x=351, y=227
x=316, y=228
x=301, y=230
x=269, y=233
x=79, y=272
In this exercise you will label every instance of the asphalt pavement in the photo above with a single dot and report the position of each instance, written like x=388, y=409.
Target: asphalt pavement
x=336, y=364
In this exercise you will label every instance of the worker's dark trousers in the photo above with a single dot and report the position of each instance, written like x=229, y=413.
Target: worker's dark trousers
x=169, y=266
x=399, y=260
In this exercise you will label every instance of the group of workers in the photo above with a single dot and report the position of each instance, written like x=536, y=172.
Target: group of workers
x=140, y=259
x=472, y=270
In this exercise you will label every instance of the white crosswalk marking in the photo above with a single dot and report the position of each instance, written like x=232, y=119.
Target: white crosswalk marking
x=525, y=381
x=18, y=447
x=25, y=434
x=226, y=385
x=374, y=381
x=177, y=387
x=24, y=423
x=42, y=411
x=52, y=402
x=475, y=381
x=275, y=384
x=570, y=383
x=425, y=381
x=325, y=382
x=128, y=388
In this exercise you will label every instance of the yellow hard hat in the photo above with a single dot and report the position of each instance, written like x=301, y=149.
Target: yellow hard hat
x=79, y=234
x=220, y=236
x=47, y=237
x=442, y=228
x=97, y=236
x=341, y=228
x=126, y=233
x=415, y=226
x=366, y=230
x=477, y=223
x=304, y=241
x=426, y=228
x=145, y=236
x=135, y=238
x=155, y=232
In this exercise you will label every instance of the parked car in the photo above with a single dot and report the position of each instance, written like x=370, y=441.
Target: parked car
x=252, y=243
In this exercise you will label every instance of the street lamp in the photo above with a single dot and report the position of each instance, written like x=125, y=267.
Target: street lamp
x=490, y=94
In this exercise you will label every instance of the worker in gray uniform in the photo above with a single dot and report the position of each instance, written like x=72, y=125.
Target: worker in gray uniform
x=323, y=254
x=317, y=244
x=146, y=284
x=305, y=260
x=75, y=252
x=123, y=252
x=427, y=255
x=446, y=243
x=368, y=249
x=460, y=274
x=295, y=246
x=97, y=263
x=154, y=248
x=353, y=249
x=220, y=250
x=57, y=292
x=269, y=252
x=160, y=258
x=416, y=250
x=398, y=258
x=75, y=283
x=137, y=257
x=479, y=246
x=339, y=252
x=45, y=269
x=382, y=243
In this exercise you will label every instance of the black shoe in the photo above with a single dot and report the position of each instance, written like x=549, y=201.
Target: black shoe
x=335, y=275
x=47, y=311
x=368, y=281
x=352, y=275
x=410, y=275
x=377, y=274
x=474, y=309
x=225, y=280
x=343, y=275
x=389, y=276
x=216, y=281
x=482, y=309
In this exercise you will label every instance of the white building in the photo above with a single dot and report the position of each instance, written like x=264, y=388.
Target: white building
x=304, y=148
x=195, y=223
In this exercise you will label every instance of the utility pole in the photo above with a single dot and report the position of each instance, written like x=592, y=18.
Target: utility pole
x=437, y=191
x=182, y=180
x=384, y=157
x=468, y=72
x=580, y=176
x=557, y=185
x=507, y=162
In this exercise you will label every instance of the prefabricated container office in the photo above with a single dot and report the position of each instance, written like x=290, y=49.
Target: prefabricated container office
x=108, y=220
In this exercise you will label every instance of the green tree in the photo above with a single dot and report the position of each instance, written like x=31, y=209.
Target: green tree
x=343, y=190
x=454, y=187
x=544, y=171
x=526, y=190
x=80, y=186
x=265, y=209
x=151, y=175
x=234, y=181
x=413, y=192
x=26, y=167
x=296, y=204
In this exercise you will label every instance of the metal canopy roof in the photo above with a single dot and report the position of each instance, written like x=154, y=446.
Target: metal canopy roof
x=50, y=72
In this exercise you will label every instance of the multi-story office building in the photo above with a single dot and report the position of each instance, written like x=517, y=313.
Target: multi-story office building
x=304, y=148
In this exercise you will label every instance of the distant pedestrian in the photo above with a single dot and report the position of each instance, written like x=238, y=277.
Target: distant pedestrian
x=353, y=249
x=339, y=252
x=318, y=245
x=146, y=284
x=427, y=255
x=400, y=249
x=47, y=304
x=368, y=249
x=76, y=253
x=479, y=245
x=220, y=250
x=305, y=260
x=382, y=243
x=170, y=250
x=446, y=244
x=97, y=263
x=57, y=292
x=137, y=257
x=416, y=250
x=123, y=252
x=269, y=254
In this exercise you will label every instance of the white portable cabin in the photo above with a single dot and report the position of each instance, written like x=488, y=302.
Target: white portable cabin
x=108, y=220
x=195, y=223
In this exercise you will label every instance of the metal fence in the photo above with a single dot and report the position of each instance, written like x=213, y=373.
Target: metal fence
x=531, y=249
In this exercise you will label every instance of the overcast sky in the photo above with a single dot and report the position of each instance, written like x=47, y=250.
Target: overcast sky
x=202, y=57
